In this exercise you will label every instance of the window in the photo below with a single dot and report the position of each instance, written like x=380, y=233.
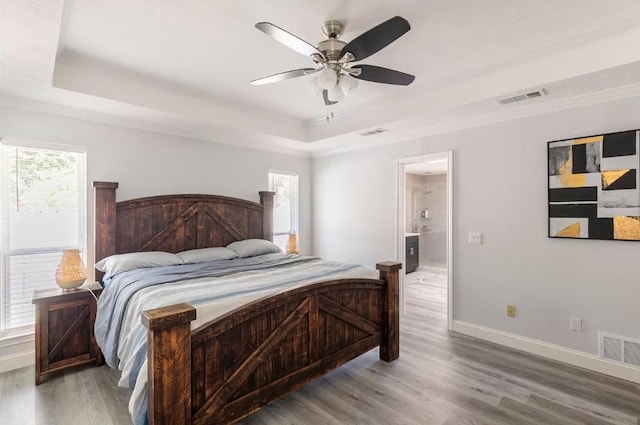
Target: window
x=285, y=209
x=43, y=212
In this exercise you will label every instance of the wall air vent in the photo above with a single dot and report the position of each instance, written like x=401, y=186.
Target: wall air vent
x=620, y=349
x=372, y=132
x=522, y=96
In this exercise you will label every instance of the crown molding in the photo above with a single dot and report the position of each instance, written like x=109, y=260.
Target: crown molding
x=134, y=118
x=320, y=148
x=525, y=111
x=512, y=113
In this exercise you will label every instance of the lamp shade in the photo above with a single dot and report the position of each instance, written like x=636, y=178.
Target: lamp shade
x=335, y=93
x=315, y=86
x=71, y=272
x=327, y=78
x=347, y=83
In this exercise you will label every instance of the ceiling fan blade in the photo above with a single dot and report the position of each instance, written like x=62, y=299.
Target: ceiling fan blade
x=377, y=74
x=377, y=38
x=288, y=39
x=325, y=96
x=287, y=75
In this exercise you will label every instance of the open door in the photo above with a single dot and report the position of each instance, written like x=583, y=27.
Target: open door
x=411, y=224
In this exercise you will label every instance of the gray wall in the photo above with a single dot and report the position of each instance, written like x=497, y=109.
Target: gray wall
x=147, y=164
x=500, y=189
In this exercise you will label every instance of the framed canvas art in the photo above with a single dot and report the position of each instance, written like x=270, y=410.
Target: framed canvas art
x=593, y=187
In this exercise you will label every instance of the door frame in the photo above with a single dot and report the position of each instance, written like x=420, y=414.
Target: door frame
x=400, y=227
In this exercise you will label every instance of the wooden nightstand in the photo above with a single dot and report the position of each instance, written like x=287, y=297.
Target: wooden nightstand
x=64, y=329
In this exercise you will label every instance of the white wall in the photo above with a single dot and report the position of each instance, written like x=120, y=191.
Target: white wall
x=500, y=190
x=147, y=164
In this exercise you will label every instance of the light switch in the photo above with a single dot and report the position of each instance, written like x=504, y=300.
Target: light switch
x=575, y=324
x=475, y=238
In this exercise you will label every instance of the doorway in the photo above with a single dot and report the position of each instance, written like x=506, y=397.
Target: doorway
x=424, y=230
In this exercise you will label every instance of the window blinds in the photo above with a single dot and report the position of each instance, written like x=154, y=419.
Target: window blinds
x=285, y=213
x=43, y=211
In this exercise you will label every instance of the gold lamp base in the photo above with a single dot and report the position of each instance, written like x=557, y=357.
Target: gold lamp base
x=67, y=286
x=292, y=244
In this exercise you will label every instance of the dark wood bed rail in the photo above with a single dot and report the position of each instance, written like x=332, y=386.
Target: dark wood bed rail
x=229, y=368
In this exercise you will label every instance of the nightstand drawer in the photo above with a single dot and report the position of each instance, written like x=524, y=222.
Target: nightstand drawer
x=64, y=329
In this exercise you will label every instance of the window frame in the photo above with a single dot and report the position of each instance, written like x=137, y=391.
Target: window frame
x=294, y=211
x=5, y=250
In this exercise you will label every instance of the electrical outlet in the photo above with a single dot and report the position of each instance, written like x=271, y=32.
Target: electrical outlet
x=575, y=324
x=475, y=238
x=511, y=310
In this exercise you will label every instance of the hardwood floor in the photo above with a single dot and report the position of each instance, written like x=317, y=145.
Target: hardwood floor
x=440, y=378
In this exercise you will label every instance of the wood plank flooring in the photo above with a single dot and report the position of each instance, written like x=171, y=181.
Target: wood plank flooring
x=440, y=378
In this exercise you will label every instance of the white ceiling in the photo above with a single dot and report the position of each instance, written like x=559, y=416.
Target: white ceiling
x=184, y=67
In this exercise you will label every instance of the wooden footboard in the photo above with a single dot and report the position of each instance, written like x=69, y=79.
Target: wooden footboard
x=229, y=368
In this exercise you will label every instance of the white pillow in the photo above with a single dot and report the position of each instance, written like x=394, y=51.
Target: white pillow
x=253, y=247
x=136, y=260
x=204, y=255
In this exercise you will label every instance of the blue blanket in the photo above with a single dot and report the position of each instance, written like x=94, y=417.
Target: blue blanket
x=115, y=297
x=119, y=330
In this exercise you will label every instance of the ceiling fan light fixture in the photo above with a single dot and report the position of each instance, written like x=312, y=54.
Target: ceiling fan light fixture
x=327, y=78
x=347, y=83
x=315, y=87
x=335, y=93
x=333, y=58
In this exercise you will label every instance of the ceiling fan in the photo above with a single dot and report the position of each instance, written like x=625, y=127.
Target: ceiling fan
x=333, y=58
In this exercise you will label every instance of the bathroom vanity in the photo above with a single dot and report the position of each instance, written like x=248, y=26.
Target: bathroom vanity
x=412, y=254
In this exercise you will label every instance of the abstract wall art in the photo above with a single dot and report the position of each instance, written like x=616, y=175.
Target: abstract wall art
x=594, y=187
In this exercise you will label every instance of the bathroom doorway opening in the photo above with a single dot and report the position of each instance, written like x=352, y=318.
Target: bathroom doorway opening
x=424, y=229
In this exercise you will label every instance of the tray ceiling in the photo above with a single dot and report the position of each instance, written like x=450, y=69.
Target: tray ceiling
x=184, y=67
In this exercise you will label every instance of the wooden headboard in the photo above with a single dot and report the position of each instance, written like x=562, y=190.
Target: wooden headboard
x=175, y=223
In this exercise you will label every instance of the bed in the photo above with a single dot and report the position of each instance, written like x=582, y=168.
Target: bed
x=222, y=370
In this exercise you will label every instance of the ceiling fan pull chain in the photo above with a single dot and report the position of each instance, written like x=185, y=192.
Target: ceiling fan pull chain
x=329, y=115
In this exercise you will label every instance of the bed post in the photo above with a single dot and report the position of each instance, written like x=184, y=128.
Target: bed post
x=266, y=199
x=169, y=364
x=105, y=221
x=390, y=344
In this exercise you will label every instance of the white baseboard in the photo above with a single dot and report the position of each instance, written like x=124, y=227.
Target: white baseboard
x=16, y=361
x=550, y=351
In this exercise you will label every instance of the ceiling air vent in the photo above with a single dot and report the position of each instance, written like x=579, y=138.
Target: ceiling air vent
x=522, y=96
x=372, y=132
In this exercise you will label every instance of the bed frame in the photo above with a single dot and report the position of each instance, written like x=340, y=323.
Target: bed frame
x=231, y=366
